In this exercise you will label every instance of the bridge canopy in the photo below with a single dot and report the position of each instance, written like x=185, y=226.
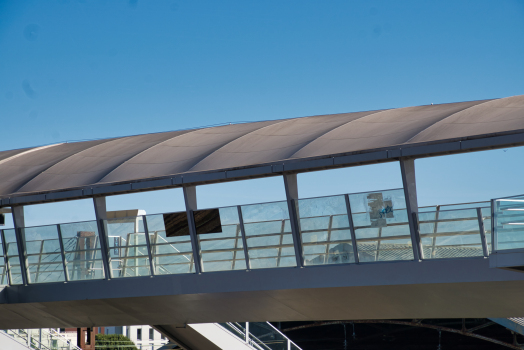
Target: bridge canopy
x=275, y=145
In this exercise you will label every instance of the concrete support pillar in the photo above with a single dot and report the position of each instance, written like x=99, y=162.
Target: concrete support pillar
x=101, y=215
x=190, y=200
x=407, y=169
x=291, y=187
x=19, y=223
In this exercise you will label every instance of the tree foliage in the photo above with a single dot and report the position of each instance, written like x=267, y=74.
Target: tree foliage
x=114, y=342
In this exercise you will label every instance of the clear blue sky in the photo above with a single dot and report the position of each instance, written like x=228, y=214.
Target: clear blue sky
x=72, y=70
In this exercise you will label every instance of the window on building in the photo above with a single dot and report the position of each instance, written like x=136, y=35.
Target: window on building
x=139, y=334
x=163, y=337
x=151, y=334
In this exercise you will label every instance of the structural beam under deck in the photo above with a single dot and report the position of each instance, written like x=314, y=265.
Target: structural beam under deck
x=428, y=289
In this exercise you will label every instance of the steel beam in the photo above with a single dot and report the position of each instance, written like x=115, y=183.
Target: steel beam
x=190, y=200
x=407, y=169
x=291, y=187
x=101, y=215
x=19, y=223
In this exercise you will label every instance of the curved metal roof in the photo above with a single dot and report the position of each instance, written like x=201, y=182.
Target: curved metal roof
x=117, y=160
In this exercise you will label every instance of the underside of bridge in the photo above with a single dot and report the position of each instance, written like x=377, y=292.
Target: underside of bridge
x=416, y=334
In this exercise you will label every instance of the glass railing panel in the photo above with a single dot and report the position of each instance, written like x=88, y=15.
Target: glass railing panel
x=266, y=337
x=12, y=257
x=170, y=243
x=324, y=229
x=43, y=253
x=83, y=254
x=450, y=234
x=486, y=218
x=127, y=247
x=509, y=222
x=220, y=239
x=268, y=235
x=381, y=226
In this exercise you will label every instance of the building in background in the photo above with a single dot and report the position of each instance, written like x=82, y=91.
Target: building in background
x=145, y=337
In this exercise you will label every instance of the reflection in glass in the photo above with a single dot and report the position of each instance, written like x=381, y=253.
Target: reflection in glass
x=220, y=239
x=324, y=228
x=450, y=234
x=509, y=222
x=13, y=259
x=43, y=253
x=172, y=253
x=268, y=235
x=127, y=247
x=381, y=225
x=83, y=254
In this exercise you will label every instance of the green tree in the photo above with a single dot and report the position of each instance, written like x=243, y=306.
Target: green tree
x=113, y=342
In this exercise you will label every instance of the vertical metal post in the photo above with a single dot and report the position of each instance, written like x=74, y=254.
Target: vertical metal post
x=6, y=265
x=407, y=169
x=244, y=239
x=494, y=243
x=482, y=232
x=435, y=230
x=148, y=242
x=352, y=230
x=247, y=332
x=18, y=221
x=191, y=205
x=291, y=187
x=62, y=251
x=101, y=215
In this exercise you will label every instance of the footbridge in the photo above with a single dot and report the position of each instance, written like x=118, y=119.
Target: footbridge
x=370, y=255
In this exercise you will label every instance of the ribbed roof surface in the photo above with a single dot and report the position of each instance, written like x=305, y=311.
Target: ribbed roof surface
x=70, y=165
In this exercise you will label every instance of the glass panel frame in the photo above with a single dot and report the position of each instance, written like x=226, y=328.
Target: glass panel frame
x=508, y=225
x=173, y=254
x=83, y=251
x=450, y=234
x=12, y=257
x=127, y=247
x=325, y=230
x=381, y=225
x=223, y=251
x=43, y=254
x=268, y=233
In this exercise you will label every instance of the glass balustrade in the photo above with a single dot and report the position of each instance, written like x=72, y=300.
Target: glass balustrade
x=12, y=257
x=268, y=235
x=83, y=255
x=43, y=254
x=450, y=234
x=324, y=229
x=509, y=222
x=379, y=221
x=220, y=239
x=381, y=225
x=170, y=243
x=127, y=247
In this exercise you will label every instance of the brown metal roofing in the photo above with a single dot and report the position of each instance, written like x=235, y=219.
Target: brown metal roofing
x=80, y=164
